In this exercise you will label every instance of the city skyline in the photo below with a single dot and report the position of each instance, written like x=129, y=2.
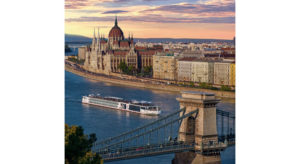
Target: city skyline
x=204, y=19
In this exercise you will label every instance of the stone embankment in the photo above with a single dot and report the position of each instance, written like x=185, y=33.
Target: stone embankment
x=132, y=83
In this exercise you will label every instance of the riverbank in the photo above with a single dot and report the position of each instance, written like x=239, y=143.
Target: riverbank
x=164, y=87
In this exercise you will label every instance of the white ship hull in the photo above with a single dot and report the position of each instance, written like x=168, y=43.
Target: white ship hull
x=119, y=106
x=150, y=112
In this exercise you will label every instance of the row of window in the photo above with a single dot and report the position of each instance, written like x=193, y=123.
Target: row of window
x=104, y=102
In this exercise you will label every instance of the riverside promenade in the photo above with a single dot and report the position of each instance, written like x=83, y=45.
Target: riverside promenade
x=140, y=84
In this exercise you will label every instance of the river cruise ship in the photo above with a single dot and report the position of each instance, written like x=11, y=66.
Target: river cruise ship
x=141, y=107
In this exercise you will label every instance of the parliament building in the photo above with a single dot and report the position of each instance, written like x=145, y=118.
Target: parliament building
x=105, y=55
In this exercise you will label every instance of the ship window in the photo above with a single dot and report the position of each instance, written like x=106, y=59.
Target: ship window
x=135, y=108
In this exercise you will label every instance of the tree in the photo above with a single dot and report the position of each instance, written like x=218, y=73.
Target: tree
x=225, y=88
x=78, y=146
x=204, y=85
x=130, y=69
x=192, y=84
x=148, y=70
x=123, y=67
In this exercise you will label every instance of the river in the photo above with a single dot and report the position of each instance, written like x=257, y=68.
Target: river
x=107, y=122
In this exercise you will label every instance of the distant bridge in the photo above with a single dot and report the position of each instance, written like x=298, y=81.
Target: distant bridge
x=193, y=128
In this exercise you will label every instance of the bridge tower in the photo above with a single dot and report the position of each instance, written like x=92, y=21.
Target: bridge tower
x=200, y=129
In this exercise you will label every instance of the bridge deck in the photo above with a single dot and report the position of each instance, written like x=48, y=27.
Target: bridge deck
x=153, y=150
x=131, y=144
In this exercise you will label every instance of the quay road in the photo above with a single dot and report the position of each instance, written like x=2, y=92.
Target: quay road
x=125, y=77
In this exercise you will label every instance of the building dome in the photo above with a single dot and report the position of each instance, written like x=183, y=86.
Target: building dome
x=116, y=31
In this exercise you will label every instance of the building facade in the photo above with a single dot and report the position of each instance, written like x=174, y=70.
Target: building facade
x=202, y=72
x=145, y=55
x=232, y=74
x=184, y=70
x=222, y=73
x=82, y=52
x=164, y=66
x=105, y=56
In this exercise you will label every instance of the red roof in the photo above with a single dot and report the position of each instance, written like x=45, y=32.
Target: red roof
x=147, y=52
x=158, y=47
x=188, y=59
x=103, y=41
x=115, y=42
x=124, y=44
x=121, y=52
x=140, y=48
x=228, y=48
x=116, y=32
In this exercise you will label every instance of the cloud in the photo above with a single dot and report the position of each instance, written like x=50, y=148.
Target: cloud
x=194, y=8
x=127, y=3
x=115, y=1
x=76, y=4
x=157, y=19
x=114, y=11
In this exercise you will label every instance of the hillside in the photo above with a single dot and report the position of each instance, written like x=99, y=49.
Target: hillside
x=82, y=39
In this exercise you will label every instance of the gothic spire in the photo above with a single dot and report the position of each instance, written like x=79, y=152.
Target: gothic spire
x=94, y=33
x=98, y=33
x=116, y=21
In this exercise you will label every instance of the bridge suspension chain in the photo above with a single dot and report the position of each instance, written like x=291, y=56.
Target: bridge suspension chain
x=149, y=131
x=137, y=129
x=225, y=127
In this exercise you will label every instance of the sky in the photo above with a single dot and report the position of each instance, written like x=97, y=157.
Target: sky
x=201, y=19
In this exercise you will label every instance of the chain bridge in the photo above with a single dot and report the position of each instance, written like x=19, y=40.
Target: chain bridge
x=197, y=128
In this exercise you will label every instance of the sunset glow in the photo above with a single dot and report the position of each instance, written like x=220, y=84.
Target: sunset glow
x=211, y=19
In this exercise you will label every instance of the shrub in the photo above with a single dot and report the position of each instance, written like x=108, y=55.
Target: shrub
x=225, y=88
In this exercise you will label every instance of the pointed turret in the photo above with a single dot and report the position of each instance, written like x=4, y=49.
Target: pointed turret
x=94, y=33
x=98, y=40
x=94, y=40
x=116, y=21
x=98, y=34
x=131, y=40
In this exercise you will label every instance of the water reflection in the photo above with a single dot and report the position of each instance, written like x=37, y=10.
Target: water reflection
x=118, y=112
x=109, y=122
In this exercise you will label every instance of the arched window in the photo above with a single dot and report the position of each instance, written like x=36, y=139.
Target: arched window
x=191, y=125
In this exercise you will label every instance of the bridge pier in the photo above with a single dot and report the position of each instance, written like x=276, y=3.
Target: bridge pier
x=199, y=129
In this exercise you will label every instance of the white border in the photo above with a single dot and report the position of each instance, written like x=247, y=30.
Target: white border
x=268, y=81
x=32, y=81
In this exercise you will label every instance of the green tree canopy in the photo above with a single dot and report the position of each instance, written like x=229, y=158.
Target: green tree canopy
x=130, y=69
x=225, y=88
x=78, y=146
x=123, y=67
x=148, y=70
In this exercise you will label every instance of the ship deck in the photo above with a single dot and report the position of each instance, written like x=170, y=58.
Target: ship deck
x=122, y=100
